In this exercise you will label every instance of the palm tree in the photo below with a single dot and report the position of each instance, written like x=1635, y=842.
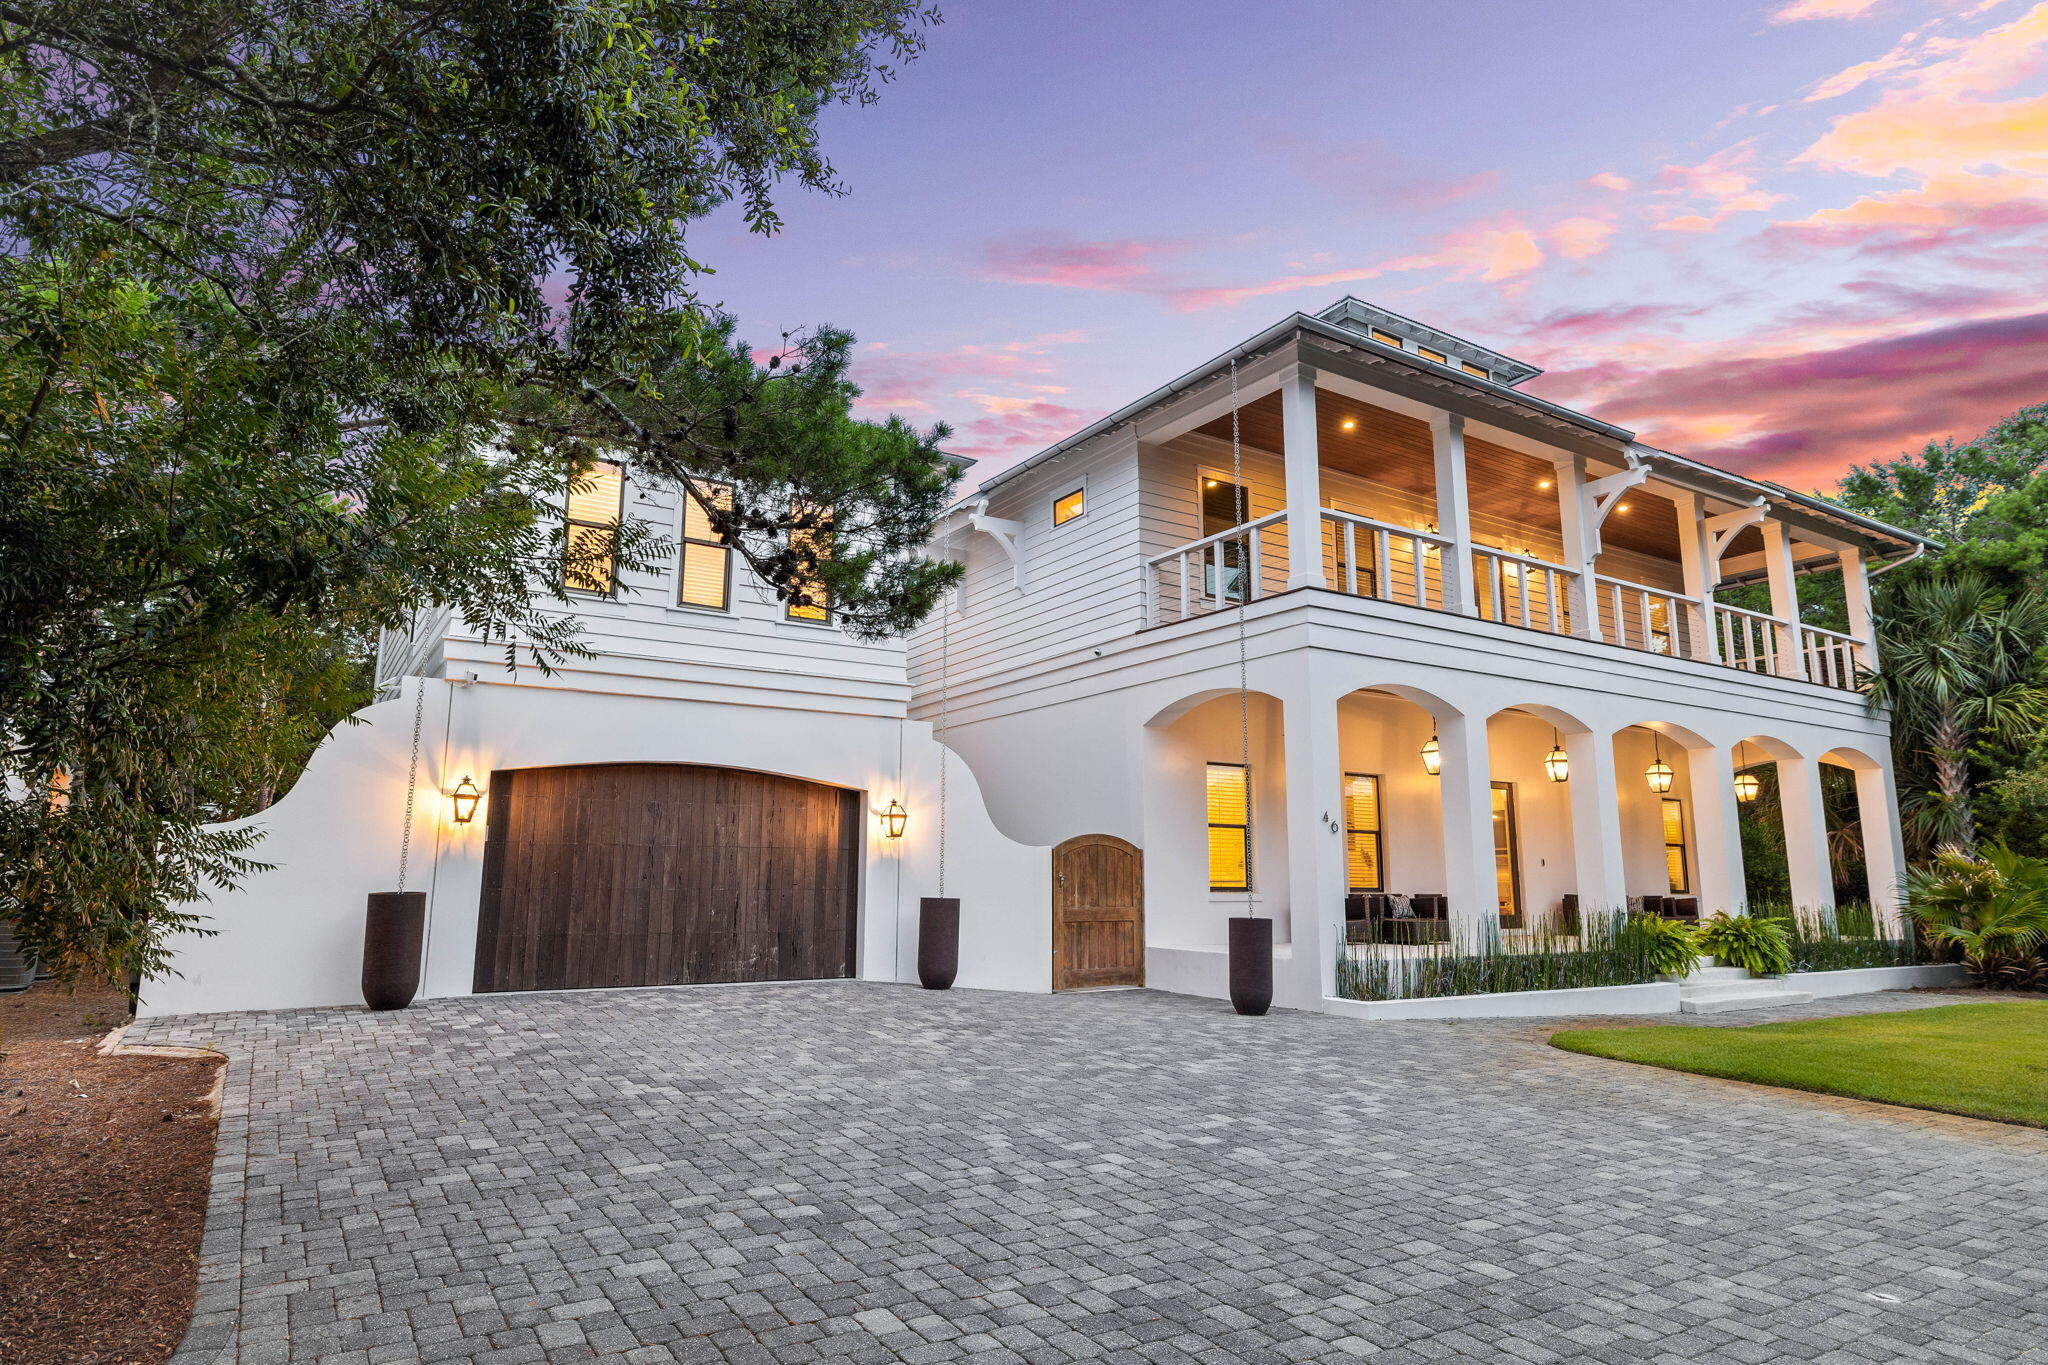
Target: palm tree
x=1960, y=666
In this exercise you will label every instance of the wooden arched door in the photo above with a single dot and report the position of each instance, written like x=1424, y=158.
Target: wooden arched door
x=1098, y=913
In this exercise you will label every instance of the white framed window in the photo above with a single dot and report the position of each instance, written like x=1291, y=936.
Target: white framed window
x=1070, y=506
x=1228, y=795
x=703, y=561
x=593, y=510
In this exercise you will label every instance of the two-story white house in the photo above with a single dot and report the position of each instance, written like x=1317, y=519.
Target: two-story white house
x=1481, y=639
x=1339, y=614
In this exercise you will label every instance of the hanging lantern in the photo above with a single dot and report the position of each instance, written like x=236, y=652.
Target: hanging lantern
x=1555, y=764
x=1747, y=787
x=894, y=820
x=465, y=797
x=1659, y=772
x=1432, y=757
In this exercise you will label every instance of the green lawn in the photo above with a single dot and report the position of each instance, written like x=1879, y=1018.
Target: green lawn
x=1988, y=1061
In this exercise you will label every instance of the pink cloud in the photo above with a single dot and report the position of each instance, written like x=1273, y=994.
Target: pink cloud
x=1600, y=324
x=1122, y=264
x=1494, y=252
x=1823, y=9
x=1805, y=416
x=1017, y=430
x=1608, y=180
x=1722, y=181
x=1578, y=238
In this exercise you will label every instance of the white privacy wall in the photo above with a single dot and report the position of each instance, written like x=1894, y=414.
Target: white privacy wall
x=292, y=936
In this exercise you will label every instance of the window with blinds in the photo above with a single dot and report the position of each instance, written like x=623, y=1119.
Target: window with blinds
x=1674, y=843
x=704, y=568
x=1230, y=827
x=595, y=506
x=1363, y=849
x=815, y=604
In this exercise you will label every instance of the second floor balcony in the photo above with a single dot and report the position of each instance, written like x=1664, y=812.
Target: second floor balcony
x=1429, y=511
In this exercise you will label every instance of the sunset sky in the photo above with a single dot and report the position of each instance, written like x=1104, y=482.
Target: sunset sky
x=1782, y=237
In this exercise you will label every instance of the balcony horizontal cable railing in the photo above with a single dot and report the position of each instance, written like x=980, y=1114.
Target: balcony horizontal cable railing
x=1363, y=557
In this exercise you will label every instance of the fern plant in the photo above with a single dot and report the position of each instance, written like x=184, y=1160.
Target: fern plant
x=1762, y=946
x=1669, y=946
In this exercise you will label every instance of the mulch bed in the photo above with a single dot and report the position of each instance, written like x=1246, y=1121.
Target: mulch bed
x=105, y=1162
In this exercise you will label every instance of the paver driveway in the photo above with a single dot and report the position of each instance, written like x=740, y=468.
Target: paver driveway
x=844, y=1171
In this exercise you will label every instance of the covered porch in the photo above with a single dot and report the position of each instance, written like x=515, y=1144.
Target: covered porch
x=1349, y=488
x=1391, y=819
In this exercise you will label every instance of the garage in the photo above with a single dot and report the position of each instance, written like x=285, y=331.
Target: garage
x=642, y=874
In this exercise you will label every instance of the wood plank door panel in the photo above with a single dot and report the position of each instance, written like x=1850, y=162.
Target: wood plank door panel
x=1098, y=913
x=665, y=874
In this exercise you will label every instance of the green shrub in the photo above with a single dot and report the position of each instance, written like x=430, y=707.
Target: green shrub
x=1849, y=942
x=1991, y=909
x=1762, y=946
x=1603, y=954
x=1670, y=946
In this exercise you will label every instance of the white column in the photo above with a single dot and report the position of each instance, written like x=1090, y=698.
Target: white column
x=1806, y=836
x=1692, y=560
x=1784, y=596
x=1578, y=549
x=1304, y=468
x=1884, y=850
x=1469, y=883
x=1316, y=880
x=1597, y=867
x=1856, y=592
x=1716, y=831
x=1453, y=511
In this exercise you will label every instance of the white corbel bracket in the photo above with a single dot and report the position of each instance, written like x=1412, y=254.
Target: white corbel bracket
x=1004, y=532
x=1723, y=527
x=1603, y=495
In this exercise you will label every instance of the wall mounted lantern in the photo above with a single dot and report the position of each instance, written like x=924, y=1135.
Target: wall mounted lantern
x=1659, y=773
x=894, y=820
x=1432, y=757
x=465, y=796
x=1555, y=764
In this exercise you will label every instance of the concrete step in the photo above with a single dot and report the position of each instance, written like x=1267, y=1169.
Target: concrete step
x=1722, y=996
x=1716, y=975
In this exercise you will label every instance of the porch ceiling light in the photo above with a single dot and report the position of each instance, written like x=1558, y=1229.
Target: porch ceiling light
x=1659, y=772
x=894, y=820
x=1555, y=765
x=1432, y=757
x=465, y=797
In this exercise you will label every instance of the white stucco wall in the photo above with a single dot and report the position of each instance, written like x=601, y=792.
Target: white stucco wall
x=292, y=936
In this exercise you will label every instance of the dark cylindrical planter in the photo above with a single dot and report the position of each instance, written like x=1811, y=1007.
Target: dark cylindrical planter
x=938, y=941
x=1251, y=964
x=392, y=930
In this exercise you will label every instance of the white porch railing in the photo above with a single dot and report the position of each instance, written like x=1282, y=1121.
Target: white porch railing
x=1368, y=558
x=1830, y=656
x=1519, y=590
x=1211, y=573
x=1642, y=617
x=1749, y=639
x=1363, y=557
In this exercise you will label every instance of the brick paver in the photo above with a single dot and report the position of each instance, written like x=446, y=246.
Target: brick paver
x=864, y=1173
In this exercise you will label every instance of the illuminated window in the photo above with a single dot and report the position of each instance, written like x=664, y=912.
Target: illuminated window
x=595, y=506
x=1072, y=505
x=1469, y=368
x=811, y=602
x=1362, y=848
x=1224, y=505
x=704, y=574
x=1438, y=356
x=1507, y=853
x=1230, y=827
x=1385, y=338
x=1674, y=842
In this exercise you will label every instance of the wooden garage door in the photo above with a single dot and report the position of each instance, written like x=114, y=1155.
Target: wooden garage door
x=1098, y=913
x=664, y=874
